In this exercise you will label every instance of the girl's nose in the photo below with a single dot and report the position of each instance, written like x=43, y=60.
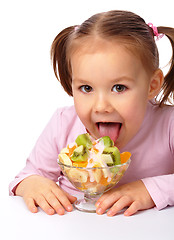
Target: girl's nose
x=102, y=104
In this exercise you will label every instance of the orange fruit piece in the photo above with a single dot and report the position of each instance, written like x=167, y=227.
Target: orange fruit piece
x=125, y=157
x=95, y=150
x=71, y=150
x=80, y=164
x=104, y=181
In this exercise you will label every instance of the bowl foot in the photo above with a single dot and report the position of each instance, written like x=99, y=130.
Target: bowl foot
x=85, y=205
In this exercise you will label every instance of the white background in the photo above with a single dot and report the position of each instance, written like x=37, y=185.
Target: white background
x=29, y=91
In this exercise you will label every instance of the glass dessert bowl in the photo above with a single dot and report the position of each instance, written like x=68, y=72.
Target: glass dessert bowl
x=93, y=181
x=93, y=167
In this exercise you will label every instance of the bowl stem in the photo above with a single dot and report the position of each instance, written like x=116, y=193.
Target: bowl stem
x=87, y=204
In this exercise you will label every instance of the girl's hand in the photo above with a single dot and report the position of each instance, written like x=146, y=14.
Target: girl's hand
x=43, y=192
x=132, y=195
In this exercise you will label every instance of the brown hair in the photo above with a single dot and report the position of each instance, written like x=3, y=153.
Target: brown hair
x=127, y=26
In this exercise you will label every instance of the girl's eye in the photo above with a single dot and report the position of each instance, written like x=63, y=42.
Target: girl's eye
x=86, y=88
x=119, y=88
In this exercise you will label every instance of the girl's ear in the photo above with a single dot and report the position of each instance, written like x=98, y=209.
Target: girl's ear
x=156, y=83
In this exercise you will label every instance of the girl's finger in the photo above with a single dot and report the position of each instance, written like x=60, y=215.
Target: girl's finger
x=119, y=205
x=41, y=201
x=100, y=200
x=108, y=195
x=63, y=199
x=106, y=202
x=134, y=207
x=54, y=202
x=31, y=204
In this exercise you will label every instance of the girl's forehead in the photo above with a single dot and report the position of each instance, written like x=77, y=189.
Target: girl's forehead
x=105, y=61
x=94, y=46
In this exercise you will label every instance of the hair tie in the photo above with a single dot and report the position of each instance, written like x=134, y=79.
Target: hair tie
x=76, y=28
x=155, y=31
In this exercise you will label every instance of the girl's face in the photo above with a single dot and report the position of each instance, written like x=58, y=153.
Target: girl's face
x=110, y=90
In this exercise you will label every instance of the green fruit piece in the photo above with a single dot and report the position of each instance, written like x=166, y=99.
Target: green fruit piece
x=115, y=153
x=80, y=154
x=106, y=141
x=108, y=159
x=114, y=170
x=84, y=139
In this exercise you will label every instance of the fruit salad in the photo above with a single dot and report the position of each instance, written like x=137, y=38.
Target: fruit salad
x=93, y=165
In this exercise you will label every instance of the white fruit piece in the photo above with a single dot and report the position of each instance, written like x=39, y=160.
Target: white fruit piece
x=105, y=169
x=106, y=173
x=107, y=158
x=63, y=158
x=100, y=163
x=97, y=175
x=77, y=175
x=64, y=150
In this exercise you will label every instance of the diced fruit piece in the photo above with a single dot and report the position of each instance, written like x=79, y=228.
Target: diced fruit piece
x=114, y=169
x=115, y=153
x=95, y=150
x=80, y=164
x=97, y=164
x=125, y=157
x=85, y=140
x=80, y=154
x=77, y=175
x=63, y=158
x=64, y=150
x=104, y=181
x=97, y=172
x=105, y=170
x=106, y=141
x=97, y=175
x=108, y=159
x=71, y=149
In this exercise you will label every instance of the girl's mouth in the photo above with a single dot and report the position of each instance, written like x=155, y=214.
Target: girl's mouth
x=111, y=129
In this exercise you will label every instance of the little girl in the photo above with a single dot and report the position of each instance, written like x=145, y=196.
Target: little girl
x=110, y=65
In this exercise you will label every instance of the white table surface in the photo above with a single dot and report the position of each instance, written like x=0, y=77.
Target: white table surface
x=18, y=223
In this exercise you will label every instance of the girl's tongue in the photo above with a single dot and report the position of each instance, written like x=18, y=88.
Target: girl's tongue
x=109, y=129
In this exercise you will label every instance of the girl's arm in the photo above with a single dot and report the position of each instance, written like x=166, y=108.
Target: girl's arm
x=36, y=183
x=161, y=189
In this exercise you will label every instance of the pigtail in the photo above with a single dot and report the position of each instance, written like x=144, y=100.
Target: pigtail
x=168, y=86
x=59, y=59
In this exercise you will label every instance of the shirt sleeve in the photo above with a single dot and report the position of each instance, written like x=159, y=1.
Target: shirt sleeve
x=43, y=158
x=161, y=189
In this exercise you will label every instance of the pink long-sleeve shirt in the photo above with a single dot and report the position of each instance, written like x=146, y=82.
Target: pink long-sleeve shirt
x=152, y=152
